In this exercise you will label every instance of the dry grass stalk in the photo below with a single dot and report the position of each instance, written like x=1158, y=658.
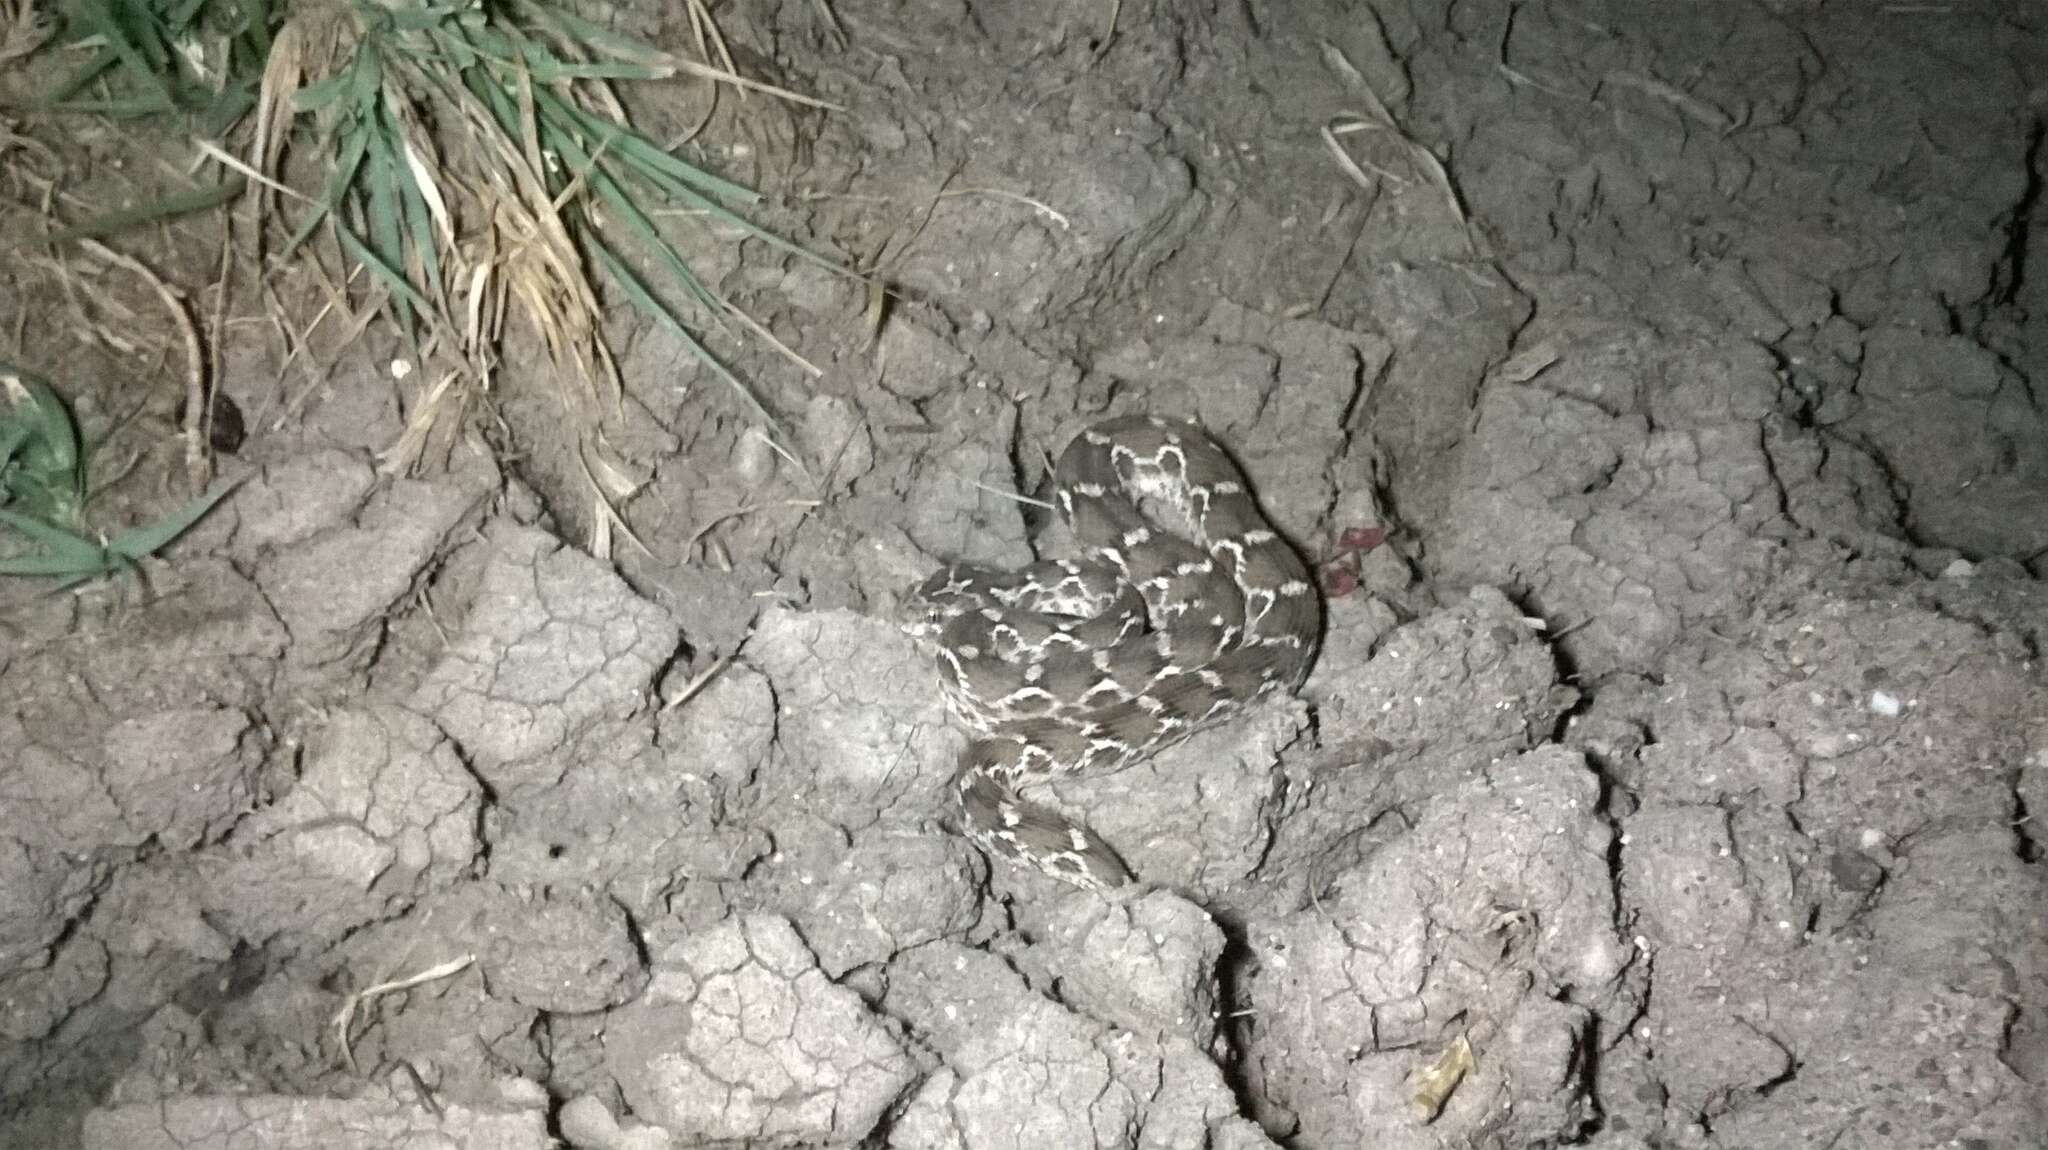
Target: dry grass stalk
x=1376, y=119
x=344, y=1019
x=476, y=164
x=23, y=29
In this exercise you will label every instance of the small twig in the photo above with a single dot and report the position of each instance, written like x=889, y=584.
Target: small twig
x=707, y=72
x=874, y=313
x=434, y=620
x=778, y=449
x=419, y=1086
x=698, y=682
x=1343, y=261
x=218, y=321
x=346, y=1016
x=1116, y=8
x=1376, y=118
x=198, y=463
x=1515, y=75
x=83, y=320
x=213, y=151
x=832, y=24
x=359, y=323
x=1686, y=103
x=697, y=129
x=1043, y=208
x=839, y=454
x=761, y=329
x=608, y=517
x=26, y=30
x=930, y=206
x=411, y=445
x=706, y=29
x=296, y=343
x=1013, y=496
x=1354, y=167
x=1569, y=628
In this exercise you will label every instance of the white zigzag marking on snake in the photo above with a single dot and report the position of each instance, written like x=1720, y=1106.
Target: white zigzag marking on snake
x=1184, y=606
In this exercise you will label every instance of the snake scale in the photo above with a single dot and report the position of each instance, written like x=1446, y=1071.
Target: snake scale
x=1183, y=606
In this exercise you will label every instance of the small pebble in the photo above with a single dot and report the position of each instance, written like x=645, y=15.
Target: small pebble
x=1884, y=703
x=753, y=459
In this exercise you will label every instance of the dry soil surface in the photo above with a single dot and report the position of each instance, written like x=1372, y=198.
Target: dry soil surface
x=1661, y=391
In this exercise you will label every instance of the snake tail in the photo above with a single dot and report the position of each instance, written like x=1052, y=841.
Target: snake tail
x=994, y=818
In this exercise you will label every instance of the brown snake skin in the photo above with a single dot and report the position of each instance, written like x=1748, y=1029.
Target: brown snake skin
x=1183, y=606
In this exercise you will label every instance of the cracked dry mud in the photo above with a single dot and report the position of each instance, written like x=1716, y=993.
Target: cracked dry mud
x=1677, y=746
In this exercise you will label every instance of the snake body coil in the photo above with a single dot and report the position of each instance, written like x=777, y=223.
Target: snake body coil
x=1184, y=606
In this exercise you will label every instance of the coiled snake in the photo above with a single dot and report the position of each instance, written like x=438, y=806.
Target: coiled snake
x=1184, y=605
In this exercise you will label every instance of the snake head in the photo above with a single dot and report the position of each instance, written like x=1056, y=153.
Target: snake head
x=940, y=597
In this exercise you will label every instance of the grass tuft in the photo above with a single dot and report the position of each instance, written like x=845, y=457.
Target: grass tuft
x=150, y=57
x=472, y=161
x=42, y=494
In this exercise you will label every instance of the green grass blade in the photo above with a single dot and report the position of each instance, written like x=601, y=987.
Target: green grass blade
x=50, y=427
x=550, y=68
x=45, y=475
x=226, y=110
x=645, y=155
x=179, y=19
x=140, y=28
x=355, y=141
x=588, y=33
x=608, y=189
x=575, y=71
x=314, y=97
x=112, y=109
x=412, y=203
x=73, y=568
x=380, y=206
x=423, y=19
x=691, y=198
x=253, y=33
x=659, y=312
x=419, y=224
x=366, y=74
x=636, y=220
x=392, y=277
x=101, y=19
x=498, y=46
x=495, y=100
x=87, y=72
x=12, y=436
x=640, y=225
x=640, y=150
x=651, y=163
x=60, y=544
x=182, y=203
x=138, y=542
x=108, y=565
x=454, y=50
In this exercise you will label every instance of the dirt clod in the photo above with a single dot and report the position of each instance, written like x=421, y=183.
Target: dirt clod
x=1659, y=394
